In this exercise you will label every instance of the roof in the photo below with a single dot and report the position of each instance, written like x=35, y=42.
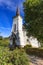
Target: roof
x=17, y=13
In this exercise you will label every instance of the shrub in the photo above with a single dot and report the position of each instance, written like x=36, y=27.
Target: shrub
x=20, y=57
x=27, y=46
x=15, y=57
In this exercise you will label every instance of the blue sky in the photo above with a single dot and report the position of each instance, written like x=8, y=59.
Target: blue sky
x=7, y=11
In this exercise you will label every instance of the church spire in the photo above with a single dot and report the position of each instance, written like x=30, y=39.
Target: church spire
x=17, y=12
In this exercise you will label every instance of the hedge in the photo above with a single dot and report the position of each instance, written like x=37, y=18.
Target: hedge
x=34, y=51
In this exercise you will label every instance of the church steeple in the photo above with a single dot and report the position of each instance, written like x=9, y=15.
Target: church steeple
x=17, y=12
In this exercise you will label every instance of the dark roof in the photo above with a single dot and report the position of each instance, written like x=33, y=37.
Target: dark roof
x=17, y=13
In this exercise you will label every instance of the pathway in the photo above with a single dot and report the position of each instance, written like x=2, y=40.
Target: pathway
x=35, y=60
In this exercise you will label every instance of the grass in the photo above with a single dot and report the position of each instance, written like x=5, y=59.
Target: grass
x=4, y=42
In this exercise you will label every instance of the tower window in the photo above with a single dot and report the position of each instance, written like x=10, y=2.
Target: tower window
x=27, y=40
x=15, y=27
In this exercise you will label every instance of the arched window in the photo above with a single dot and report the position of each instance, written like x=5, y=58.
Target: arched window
x=15, y=27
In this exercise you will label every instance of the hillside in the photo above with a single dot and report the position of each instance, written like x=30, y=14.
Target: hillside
x=4, y=41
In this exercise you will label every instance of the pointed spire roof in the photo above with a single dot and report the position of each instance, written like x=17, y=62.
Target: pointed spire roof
x=17, y=12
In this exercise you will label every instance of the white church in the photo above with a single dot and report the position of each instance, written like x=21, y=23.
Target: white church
x=18, y=35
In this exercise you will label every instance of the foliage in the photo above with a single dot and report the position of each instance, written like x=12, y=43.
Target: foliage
x=15, y=57
x=27, y=46
x=4, y=42
x=20, y=57
x=33, y=10
x=5, y=56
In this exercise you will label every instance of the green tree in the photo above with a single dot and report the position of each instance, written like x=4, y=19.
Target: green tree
x=33, y=10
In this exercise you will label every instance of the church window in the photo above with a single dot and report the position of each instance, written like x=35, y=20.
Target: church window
x=27, y=40
x=15, y=27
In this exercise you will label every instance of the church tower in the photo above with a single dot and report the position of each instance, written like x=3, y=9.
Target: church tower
x=17, y=32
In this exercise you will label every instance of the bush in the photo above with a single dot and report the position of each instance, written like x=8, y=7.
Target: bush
x=15, y=57
x=27, y=46
x=20, y=57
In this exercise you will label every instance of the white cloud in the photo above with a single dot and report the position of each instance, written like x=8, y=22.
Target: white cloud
x=8, y=3
x=11, y=4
